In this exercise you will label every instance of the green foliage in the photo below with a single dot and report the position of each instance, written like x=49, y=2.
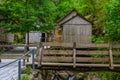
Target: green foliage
x=42, y=15
x=28, y=71
x=19, y=38
x=109, y=75
x=112, y=23
x=98, y=39
x=27, y=15
x=1, y=53
x=25, y=77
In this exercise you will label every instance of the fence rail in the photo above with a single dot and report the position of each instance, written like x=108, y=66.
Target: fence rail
x=76, y=55
x=80, y=45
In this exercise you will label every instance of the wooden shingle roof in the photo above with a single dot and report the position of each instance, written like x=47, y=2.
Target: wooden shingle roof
x=72, y=14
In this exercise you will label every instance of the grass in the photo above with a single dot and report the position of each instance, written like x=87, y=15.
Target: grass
x=25, y=77
x=28, y=71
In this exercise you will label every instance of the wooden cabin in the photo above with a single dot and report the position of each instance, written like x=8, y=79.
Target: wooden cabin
x=34, y=37
x=37, y=37
x=5, y=37
x=74, y=28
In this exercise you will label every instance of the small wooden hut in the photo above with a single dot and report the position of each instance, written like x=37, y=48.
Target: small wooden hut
x=5, y=37
x=34, y=37
x=74, y=28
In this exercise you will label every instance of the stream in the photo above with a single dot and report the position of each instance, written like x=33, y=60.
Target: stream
x=71, y=78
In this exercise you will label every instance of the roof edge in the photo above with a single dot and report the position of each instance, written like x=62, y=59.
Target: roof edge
x=73, y=16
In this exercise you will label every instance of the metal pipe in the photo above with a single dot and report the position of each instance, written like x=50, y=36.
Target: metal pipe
x=19, y=70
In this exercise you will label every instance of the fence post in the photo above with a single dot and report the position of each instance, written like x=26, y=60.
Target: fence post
x=33, y=60
x=19, y=70
x=74, y=54
x=111, y=57
x=40, y=56
x=26, y=49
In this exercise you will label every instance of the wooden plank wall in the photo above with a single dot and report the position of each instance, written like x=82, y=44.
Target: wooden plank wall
x=58, y=35
x=77, y=33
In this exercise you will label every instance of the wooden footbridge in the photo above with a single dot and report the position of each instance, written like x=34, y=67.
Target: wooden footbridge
x=73, y=56
x=66, y=56
x=82, y=57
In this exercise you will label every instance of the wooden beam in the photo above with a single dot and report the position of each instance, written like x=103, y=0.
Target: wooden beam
x=111, y=57
x=116, y=65
x=77, y=65
x=57, y=52
x=74, y=55
x=115, y=45
x=78, y=59
x=40, y=55
x=78, y=45
x=92, y=60
x=57, y=59
x=90, y=52
x=78, y=52
x=115, y=52
x=58, y=44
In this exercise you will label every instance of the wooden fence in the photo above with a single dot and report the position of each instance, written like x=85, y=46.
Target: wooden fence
x=79, y=55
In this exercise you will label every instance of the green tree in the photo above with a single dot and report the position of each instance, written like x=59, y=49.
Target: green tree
x=112, y=23
x=28, y=15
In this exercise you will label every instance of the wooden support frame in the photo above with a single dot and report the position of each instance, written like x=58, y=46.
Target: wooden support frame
x=77, y=65
x=111, y=57
x=40, y=56
x=74, y=55
x=80, y=55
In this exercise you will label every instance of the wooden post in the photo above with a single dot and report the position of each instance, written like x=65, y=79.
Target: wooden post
x=111, y=57
x=24, y=62
x=74, y=55
x=40, y=56
x=25, y=50
x=39, y=49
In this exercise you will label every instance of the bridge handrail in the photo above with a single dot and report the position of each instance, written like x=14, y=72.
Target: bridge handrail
x=80, y=45
x=17, y=45
x=19, y=62
x=16, y=59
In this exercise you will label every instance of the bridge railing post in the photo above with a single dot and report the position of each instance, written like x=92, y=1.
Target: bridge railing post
x=40, y=53
x=26, y=49
x=19, y=69
x=111, y=57
x=74, y=54
x=40, y=56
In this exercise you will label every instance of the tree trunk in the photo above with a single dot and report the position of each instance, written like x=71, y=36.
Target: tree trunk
x=27, y=41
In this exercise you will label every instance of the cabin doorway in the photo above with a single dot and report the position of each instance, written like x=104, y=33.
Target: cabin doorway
x=43, y=37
